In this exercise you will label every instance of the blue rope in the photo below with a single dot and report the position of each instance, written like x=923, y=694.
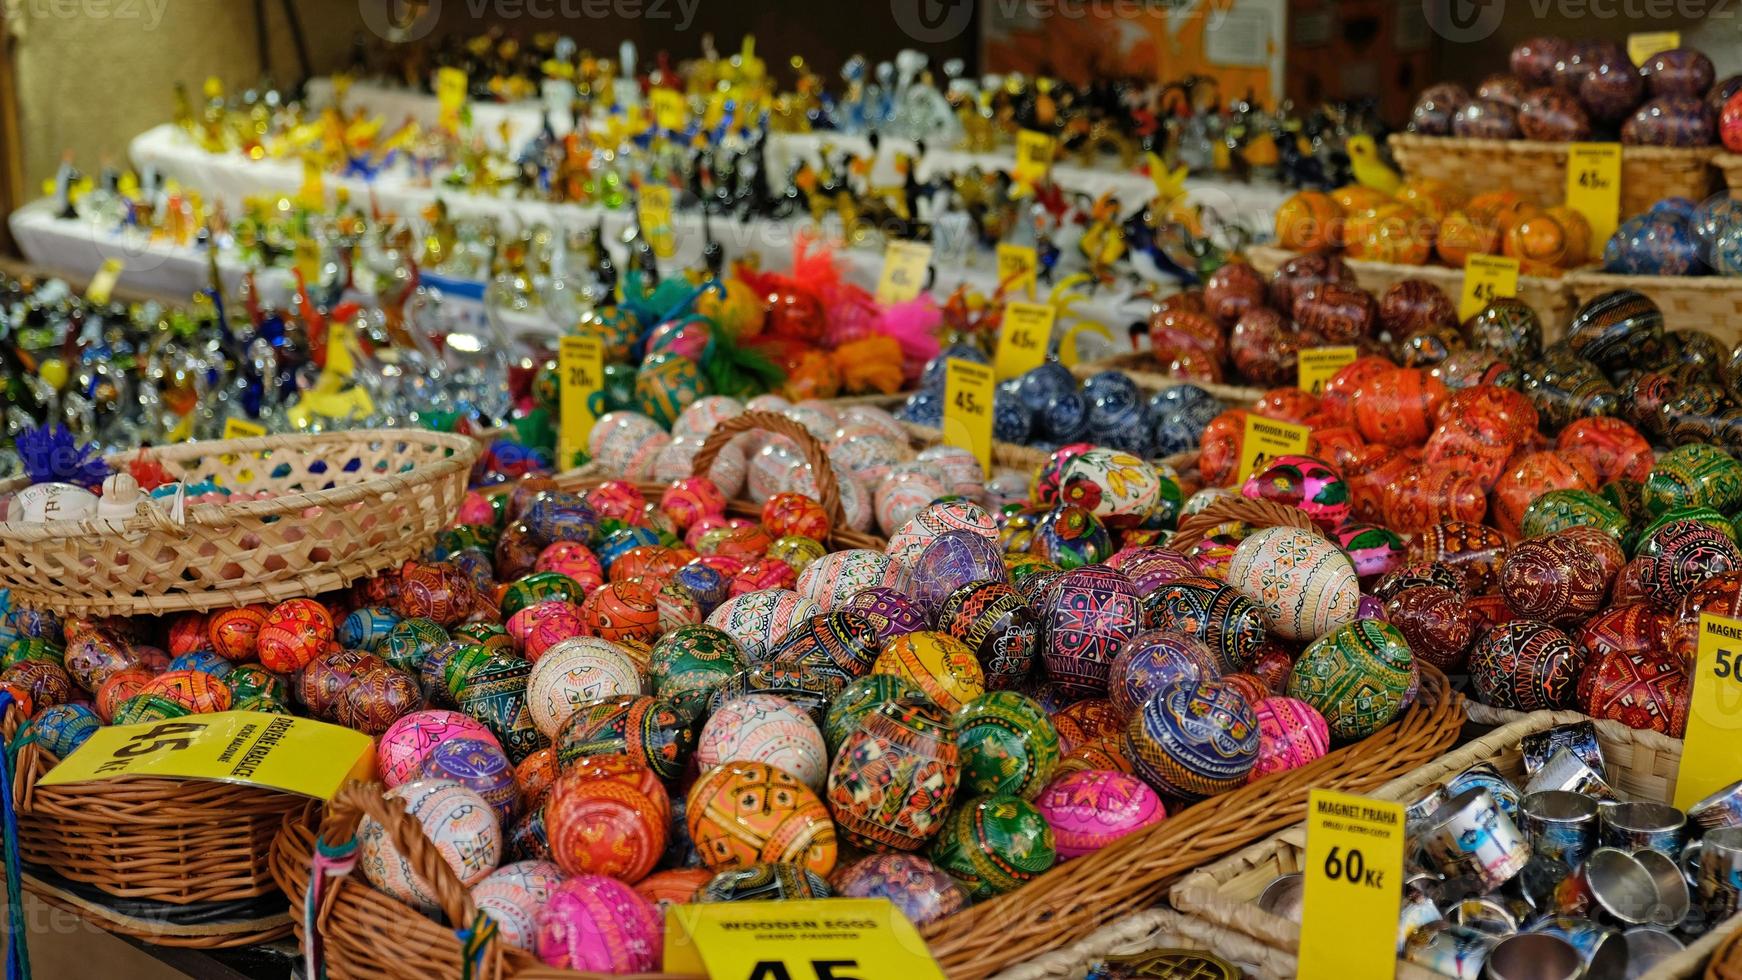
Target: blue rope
x=17, y=948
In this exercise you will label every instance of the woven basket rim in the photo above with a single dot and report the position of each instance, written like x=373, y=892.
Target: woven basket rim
x=1469, y=143
x=1617, y=280
x=464, y=453
x=1427, y=270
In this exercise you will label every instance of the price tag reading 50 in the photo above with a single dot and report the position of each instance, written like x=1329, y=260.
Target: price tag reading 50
x=1714, y=712
x=1354, y=885
x=968, y=393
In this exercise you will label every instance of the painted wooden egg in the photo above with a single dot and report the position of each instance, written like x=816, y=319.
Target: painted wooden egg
x=1475, y=550
x=1081, y=721
x=894, y=778
x=609, y=821
x=1648, y=690
x=915, y=885
x=649, y=731
x=666, y=384
x=1150, y=661
x=706, y=584
x=768, y=729
x=690, y=499
x=934, y=519
x=674, y=886
x=235, y=633
x=1304, y=482
x=1617, y=330
x=1614, y=448
x=1695, y=475
x=1680, y=555
x=795, y=513
x=410, y=642
x=810, y=688
x=1304, y=584
x=860, y=698
x=1071, y=537
x=689, y=662
x=1119, y=488
x=577, y=671
x=542, y=625
x=764, y=883
x=759, y=620
x=1436, y=622
x=1291, y=733
x=995, y=622
x=1229, y=623
x=994, y=844
x=494, y=692
x=841, y=642
x=514, y=895
x=432, y=590
x=457, y=822
x=62, y=728
x=838, y=577
x=1194, y=739
x=479, y=765
x=1374, y=550
x=1356, y=676
x=626, y=610
x=902, y=496
x=746, y=812
x=1558, y=510
x=937, y=663
x=1526, y=666
x=1007, y=745
x=1090, y=613
x=647, y=561
x=1640, y=628
x=948, y=562
x=1092, y=808
x=556, y=515
x=187, y=633
x=797, y=552
x=294, y=633
x=1551, y=580
x=891, y=612
x=599, y=924
x=200, y=692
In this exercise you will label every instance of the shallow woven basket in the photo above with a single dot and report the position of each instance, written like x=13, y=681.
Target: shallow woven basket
x=1730, y=165
x=1550, y=298
x=1005, y=455
x=1539, y=170
x=368, y=934
x=159, y=840
x=1642, y=764
x=1726, y=962
x=345, y=505
x=1709, y=303
x=1143, y=369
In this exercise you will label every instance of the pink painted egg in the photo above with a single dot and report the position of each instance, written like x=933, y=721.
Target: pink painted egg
x=542, y=625
x=1291, y=733
x=759, y=620
x=400, y=751
x=513, y=896
x=1091, y=808
x=599, y=924
x=573, y=559
x=764, y=728
x=456, y=820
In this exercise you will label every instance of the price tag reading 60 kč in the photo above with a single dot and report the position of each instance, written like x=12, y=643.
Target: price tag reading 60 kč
x=1709, y=757
x=1354, y=886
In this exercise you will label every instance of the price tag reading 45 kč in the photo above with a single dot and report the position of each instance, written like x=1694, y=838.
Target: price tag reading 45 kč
x=1023, y=337
x=1354, y=885
x=904, y=268
x=968, y=393
x=1594, y=185
x=1265, y=439
x=581, y=370
x=1486, y=279
x=834, y=939
x=1709, y=758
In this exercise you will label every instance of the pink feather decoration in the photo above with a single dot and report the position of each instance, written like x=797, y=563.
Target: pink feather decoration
x=913, y=325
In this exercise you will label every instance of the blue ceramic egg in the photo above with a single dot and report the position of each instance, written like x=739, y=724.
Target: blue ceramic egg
x=1046, y=384
x=1193, y=740
x=704, y=583
x=1010, y=420
x=1065, y=418
x=1661, y=244
x=924, y=407
x=1724, y=251
x=558, y=516
x=366, y=627
x=1679, y=207
x=61, y=728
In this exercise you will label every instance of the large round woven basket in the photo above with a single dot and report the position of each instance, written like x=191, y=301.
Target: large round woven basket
x=149, y=840
x=342, y=506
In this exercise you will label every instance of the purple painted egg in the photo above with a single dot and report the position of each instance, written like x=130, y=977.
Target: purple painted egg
x=913, y=884
x=1304, y=482
x=1678, y=71
x=481, y=767
x=1670, y=120
x=400, y=751
x=1150, y=661
x=1291, y=733
x=1091, y=808
x=892, y=612
x=1089, y=612
x=950, y=561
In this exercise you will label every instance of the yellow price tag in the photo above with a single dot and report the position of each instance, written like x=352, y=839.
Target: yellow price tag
x=1033, y=155
x=904, y=269
x=1265, y=439
x=1643, y=45
x=1317, y=365
x=451, y=85
x=581, y=370
x=183, y=431
x=654, y=208
x=103, y=283
x=1709, y=759
x=235, y=428
x=1354, y=887
x=1023, y=338
x=282, y=752
x=1018, y=268
x=1594, y=186
x=669, y=109
x=831, y=939
x=1486, y=279
x=968, y=394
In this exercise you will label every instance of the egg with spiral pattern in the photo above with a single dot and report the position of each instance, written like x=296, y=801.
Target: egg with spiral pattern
x=1193, y=739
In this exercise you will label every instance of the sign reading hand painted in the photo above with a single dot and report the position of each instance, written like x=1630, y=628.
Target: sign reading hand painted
x=1354, y=886
x=836, y=939
x=1709, y=760
x=282, y=752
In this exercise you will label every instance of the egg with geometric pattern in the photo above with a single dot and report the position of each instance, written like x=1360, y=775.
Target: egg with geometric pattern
x=768, y=729
x=743, y=813
x=994, y=844
x=1305, y=584
x=462, y=827
x=513, y=896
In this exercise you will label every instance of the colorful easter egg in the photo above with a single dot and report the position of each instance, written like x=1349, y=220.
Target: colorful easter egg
x=366, y=627
x=916, y=886
x=596, y=923
x=607, y=821
x=1291, y=733
x=948, y=562
x=1356, y=677
x=294, y=633
x=1680, y=555
x=459, y=824
x=514, y=895
x=1229, y=623
x=860, y=698
x=1007, y=745
x=62, y=728
x=1117, y=487
x=994, y=844
x=796, y=551
x=1194, y=739
x=409, y=643
x=938, y=664
x=200, y=692
x=235, y=633
x=1555, y=580
x=894, y=778
x=836, y=578
x=1694, y=475
x=690, y=661
x=479, y=765
x=1150, y=661
x=764, y=728
x=1648, y=690
x=434, y=590
x=1091, y=612
x=1070, y=537
x=1526, y=666
x=1473, y=549
x=995, y=622
x=1436, y=622
x=649, y=731
x=1374, y=550
x=810, y=688
x=938, y=518
x=1305, y=584
x=577, y=671
x=626, y=610
x=1303, y=482
x=764, y=883
x=542, y=625
x=692, y=498
x=1089, y=809
x=842, y=642
x=890, y=611
x=745, y=812
x=1558, y=510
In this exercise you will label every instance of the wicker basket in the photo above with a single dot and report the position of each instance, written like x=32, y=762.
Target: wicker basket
x=1642, y=764
x=345, y=505
x=1152, y=931
x=1709, y=303
x=1005, y=455
x=1726, y=962
x=1539, y=170
x=1730, y=165
x=1550, y=298
x=147, y=839
x=1143, y=369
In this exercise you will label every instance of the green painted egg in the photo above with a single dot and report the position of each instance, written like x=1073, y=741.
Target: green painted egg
x=859, y=699
x=494, y=692
x=667, y=384
x=32, y=648
x=1007, y=745
x=142, y=708
x=1695, y=475
x=252, y=681
x=690, y=662
x=1558, y=510
x=994, y=844
x=410, y=641
x=1356, y=676
x=540, y=587
x=1704, y=515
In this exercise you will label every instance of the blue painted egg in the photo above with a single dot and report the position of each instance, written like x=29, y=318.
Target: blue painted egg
x=62, y=728
x=923, y=408
x=204, y=661
x=557, y=516
x=1065, y=418
x=1046, y=384
x=1194, y=739
x=932, y=378
x=1010, y=419
x=366, y=628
